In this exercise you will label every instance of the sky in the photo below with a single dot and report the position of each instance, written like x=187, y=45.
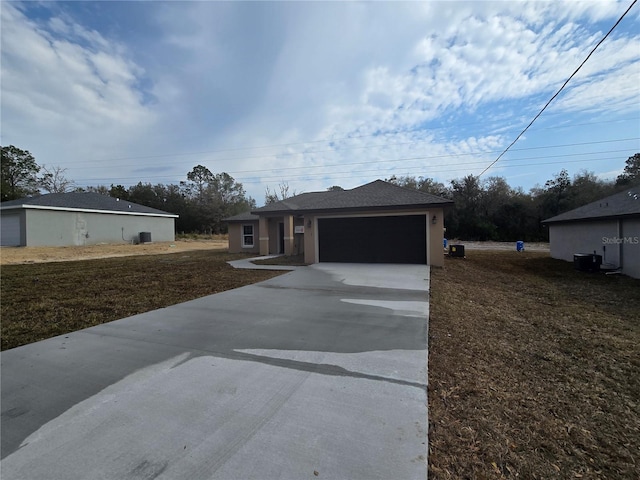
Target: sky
x=317, y=94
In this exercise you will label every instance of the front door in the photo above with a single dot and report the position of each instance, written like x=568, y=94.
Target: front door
x=281, y=238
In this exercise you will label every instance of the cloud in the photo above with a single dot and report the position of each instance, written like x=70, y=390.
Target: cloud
x=67, y=92
x=315, y=94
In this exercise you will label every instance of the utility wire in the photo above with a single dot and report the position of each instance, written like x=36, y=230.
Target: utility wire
x=560, y=90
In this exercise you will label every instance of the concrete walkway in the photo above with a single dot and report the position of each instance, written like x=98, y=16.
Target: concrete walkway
x=247, y=263
x=319, y=373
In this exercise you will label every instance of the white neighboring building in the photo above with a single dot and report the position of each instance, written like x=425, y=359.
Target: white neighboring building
x=65, y=219
x=609, y=227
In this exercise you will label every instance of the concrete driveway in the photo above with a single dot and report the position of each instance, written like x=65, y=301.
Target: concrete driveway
x=319, y=373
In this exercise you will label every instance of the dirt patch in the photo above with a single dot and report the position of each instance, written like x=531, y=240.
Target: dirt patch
x=528, y=246
x=21, y=255
x=533, y=370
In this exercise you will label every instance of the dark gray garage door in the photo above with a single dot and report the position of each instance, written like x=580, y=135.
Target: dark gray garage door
x=394, y=239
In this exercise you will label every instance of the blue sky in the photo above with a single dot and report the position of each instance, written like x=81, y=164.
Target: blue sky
x=319, y=94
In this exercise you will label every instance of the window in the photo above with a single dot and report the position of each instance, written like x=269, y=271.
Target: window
x=247, y=236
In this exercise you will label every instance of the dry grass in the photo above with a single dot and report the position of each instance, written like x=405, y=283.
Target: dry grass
x=18, y=255
x=47, y=299
x=534, y=370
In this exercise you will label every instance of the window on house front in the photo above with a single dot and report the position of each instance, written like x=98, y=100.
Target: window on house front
x=247, y=235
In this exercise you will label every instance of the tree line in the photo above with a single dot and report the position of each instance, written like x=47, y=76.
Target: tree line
x=202, y=202
x=490, y=209
x=484, y=209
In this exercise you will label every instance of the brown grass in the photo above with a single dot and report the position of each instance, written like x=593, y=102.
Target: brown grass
x=18, y=255
x=534, y=370
x=42, y=300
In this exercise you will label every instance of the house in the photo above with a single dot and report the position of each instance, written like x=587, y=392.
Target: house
x=60, y=219
x=375, y=223
x=609, y=227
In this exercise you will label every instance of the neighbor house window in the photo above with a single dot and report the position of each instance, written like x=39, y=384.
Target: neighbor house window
x=247, y=235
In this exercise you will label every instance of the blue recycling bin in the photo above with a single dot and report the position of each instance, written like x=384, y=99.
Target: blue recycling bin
x=520, y=246
x=444, y=243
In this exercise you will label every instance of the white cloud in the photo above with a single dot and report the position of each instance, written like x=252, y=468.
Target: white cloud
x=63, y=100
x=357, y=90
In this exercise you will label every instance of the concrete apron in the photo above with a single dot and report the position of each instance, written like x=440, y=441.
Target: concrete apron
x=319, y=373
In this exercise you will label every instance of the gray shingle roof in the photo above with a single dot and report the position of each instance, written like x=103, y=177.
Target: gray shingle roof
x=623, y=204
x=243, y=217
x=82, y=201
x=377, y=195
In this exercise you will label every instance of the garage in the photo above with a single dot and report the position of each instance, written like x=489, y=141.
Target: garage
x=10, y=231
x=374, y=239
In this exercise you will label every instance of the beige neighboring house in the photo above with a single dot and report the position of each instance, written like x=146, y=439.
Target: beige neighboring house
x=81, y=218
x=375, y=223
x=609, y=227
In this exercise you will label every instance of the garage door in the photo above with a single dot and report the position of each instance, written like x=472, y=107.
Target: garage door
x=393, y=239
x=10, y=230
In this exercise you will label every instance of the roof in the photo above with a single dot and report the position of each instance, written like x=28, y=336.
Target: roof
x=83, y=201
x=623, y=204
x=243, y=217
x=377, y=195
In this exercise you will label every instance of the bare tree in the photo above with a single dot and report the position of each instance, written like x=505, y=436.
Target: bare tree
x=277, y=195
x=54, y=181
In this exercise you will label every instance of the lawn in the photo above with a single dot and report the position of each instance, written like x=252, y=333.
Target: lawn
x=42, y=300
x=534, y=370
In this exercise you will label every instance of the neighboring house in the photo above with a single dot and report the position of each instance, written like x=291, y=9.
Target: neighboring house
x=60, y=219
x=375, y=223
x=609, y=227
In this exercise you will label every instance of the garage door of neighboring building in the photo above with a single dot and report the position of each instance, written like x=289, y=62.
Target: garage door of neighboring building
x=10, y=230
x=392, y=239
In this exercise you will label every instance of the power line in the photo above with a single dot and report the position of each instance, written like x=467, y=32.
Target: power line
x=287, y=154
x=421, y=168
x=560, y=90
x=429, y=157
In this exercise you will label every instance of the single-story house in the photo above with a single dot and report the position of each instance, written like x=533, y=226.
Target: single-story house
x=61, y=219
x=609, y=227
x=375, y=223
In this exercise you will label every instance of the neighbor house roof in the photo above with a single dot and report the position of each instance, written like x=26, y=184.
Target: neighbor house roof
x=377, y=195
x=85, y=202
x=623, y=204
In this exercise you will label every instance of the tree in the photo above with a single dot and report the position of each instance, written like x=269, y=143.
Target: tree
x=119, y=191
x=335, y=188
x=556, y=193
x=631, y=173
x=199, y=177
x=274, y=196
x=54, y=181
x=211, y=198
x=423, y=184
x=101, y=189
x=18, y=174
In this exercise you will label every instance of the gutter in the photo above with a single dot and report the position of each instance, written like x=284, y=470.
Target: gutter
x=87, y=210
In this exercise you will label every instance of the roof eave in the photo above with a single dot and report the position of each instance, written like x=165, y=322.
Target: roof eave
x=88, y=210
x=311, y=211
x=584, y=219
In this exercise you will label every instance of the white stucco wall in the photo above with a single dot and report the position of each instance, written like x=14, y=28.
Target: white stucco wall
x=608, y=238
x=59, y=228
x=631, y=247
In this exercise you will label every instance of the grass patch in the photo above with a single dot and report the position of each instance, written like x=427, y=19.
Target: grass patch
x=534, y=370
x=288, y=260
x=47, y=299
